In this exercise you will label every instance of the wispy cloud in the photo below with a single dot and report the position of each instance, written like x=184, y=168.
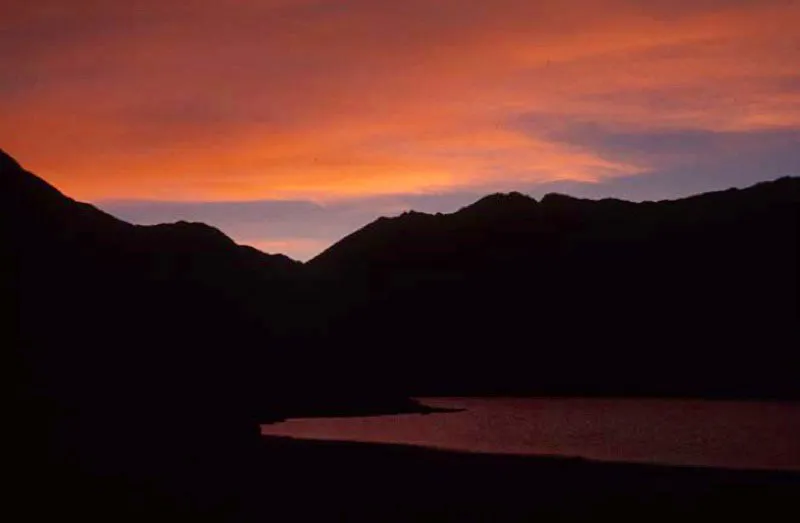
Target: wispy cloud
x=324, y=100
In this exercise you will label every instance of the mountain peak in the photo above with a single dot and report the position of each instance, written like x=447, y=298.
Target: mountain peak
x=555, y=198
x=195, y=235
x=503, y=202
x=506, y=198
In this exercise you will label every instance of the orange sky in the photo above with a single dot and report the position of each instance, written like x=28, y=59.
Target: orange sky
x=199, y=100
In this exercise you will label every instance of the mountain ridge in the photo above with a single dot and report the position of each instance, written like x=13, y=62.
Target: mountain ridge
x=523, y=219
x=419, y=268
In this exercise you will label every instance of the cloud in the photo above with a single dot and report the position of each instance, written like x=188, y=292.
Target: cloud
x=325, y=101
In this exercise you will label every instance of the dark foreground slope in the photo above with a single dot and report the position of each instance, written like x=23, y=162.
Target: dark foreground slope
x=122, y=340
x=145, y=354
x=693, y=297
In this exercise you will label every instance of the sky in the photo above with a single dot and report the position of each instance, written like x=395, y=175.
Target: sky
x=290, y=123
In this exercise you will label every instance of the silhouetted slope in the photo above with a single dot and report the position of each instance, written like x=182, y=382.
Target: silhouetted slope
x=518, y=222
x=148, y=354
x=688, y=297
x=126, y=337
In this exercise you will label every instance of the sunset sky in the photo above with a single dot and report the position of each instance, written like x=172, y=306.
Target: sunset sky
x=289, y=123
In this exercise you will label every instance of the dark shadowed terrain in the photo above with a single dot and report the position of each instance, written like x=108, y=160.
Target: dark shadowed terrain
x=123, y=340
x=144, y=358
x=693, y=297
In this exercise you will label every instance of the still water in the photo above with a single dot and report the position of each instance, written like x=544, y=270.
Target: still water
x=747, y=435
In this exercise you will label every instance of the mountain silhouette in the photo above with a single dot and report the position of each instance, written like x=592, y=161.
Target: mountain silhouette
x=124, y=339
x=693, y=297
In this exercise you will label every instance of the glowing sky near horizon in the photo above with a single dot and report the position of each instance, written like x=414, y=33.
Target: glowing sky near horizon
x=287, y=123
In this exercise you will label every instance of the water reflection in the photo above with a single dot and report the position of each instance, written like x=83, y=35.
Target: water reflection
x=753, y=435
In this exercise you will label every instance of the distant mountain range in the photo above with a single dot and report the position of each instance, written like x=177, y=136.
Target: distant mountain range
x=692, y=297
x=123, y=338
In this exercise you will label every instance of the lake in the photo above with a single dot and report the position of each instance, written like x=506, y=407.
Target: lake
x=731, y=434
